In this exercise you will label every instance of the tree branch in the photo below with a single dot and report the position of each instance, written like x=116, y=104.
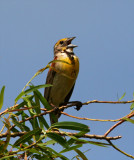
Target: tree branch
x=101, y=137
x=128, y=155
x=120, y=122
x=90, y=119
x=72, y=104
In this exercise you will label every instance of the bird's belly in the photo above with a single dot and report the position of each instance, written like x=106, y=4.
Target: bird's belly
x=60, y=89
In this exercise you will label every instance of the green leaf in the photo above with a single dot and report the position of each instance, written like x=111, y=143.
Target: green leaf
x=45, y=104
x=24, y=116
x=83, y=141
x=19, y=125
x=2, y=96
x=43, y=123
x=27, y=136
x=36, y=125
x=14, y=129
x=29, y=104
x=71, y=148
x=7, y=125
x=81, y=133
x=129, y=120
x=33, y=150
x=101, y=144
x=71, y=125
x=7, y=157
x=50, y=142
x=122, y=96
x=59, y=139
x=57, y=154
x=22, y=104
x=50, y=151
x=81, y=154
x=43, y=100
x=31, y=90
x=37, y=103
x=132, y=106
x=42, y=120
x=72, y=140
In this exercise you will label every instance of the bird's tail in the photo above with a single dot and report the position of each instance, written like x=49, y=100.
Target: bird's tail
x=53, y=118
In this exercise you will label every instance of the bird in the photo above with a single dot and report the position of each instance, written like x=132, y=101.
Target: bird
x=62, y=75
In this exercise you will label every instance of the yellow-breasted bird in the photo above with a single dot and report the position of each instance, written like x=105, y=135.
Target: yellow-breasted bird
x=61, y=75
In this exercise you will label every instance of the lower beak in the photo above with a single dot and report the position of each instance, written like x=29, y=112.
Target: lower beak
x=71, y=46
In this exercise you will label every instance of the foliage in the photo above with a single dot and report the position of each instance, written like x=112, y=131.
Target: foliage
x=34, y=137
x=33, y=134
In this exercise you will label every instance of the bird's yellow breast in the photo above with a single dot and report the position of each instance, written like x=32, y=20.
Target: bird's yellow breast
x=69, y=65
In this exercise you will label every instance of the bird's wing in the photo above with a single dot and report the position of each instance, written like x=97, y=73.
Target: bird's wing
x=68, y=96
x=49, y=80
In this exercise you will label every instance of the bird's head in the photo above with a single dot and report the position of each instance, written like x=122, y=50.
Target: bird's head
x=64, y=45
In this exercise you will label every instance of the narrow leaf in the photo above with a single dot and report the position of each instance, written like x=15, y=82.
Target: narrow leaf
x=71, y=148
x=81, y=154
x=43, y=123
x=42, y=120
x=7, y=157
x=45, y=104
x=31, y=90
x=19, y=125
x=43, y=100
x=37, y=103
x=83, y=141
x=2, y=96
x=59, y=139
x=7, y=124
x=72, y=140
x=132, y=106
x=57, y=154
x=129, y=120
x=50, y=142
x=27, y=136
x=122, y=96
x=71, y=125
x=29, y=103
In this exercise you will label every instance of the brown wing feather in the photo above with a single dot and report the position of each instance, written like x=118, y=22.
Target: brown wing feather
x=49, y=80
x=68, y=96
x=67, y=99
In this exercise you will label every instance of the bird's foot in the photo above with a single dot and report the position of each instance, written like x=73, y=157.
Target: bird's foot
x=56, y=111
x=78, y=104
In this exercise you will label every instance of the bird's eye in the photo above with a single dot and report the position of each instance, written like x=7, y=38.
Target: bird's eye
x=61, y=42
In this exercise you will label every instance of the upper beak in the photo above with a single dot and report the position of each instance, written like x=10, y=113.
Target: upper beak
x=69, y=43
x=71, y=38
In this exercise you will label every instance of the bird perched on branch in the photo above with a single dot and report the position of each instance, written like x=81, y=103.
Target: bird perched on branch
x=62, y=75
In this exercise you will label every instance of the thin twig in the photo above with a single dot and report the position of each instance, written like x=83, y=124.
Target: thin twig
x=128, y=155
x=113, y=102
x=120, y=122
x=8, y=109
x=90, y=119
x=75, y=104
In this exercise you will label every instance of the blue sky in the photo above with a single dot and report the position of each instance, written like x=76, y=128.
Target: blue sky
x=105, y=39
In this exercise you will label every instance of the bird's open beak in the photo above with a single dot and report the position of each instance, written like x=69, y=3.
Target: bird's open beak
x=69, y=43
